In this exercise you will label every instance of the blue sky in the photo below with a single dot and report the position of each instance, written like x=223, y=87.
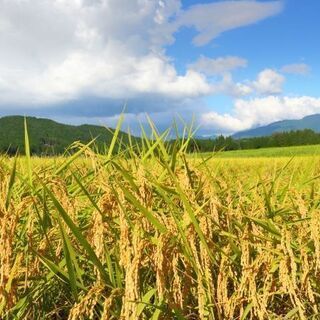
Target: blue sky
x=233, y=65
x=289, y=37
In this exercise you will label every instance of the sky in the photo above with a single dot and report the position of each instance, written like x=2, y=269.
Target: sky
x=229, y=65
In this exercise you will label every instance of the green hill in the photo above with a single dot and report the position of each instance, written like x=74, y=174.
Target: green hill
x=309, y=122
x=49, y=137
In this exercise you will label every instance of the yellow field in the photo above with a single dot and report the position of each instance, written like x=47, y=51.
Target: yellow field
x=158, y=235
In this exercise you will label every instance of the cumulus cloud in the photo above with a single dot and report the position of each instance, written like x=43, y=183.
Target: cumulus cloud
x=219, y=71
x=260, y=111
x=269, y=82
x=60, y=51
x=54, y=51
x=296, y=68
x=219, y=65
x=231, y=88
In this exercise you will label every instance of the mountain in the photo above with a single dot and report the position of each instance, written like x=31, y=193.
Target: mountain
x=309, y=122
x=49, y=137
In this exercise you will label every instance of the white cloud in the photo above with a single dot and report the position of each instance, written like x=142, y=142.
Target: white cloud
x=212, y=19
x=55, y=51
x=269, y=82
x=219, y=65
x=231, y=88
x=260, y=111
x=222, y=123
x=296, y=68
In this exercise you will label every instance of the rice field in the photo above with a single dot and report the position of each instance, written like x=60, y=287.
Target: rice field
x=293, y=151
x=152, y=233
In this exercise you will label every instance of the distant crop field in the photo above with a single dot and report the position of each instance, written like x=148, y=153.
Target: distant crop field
x=157, y=234
x=296, y=151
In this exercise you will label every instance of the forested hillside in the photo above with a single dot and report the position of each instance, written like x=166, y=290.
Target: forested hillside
x=48, y=137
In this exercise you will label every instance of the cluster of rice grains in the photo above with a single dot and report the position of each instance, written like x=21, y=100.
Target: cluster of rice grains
x=151, y=233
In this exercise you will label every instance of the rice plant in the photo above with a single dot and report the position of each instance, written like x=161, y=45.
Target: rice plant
x=148, y=232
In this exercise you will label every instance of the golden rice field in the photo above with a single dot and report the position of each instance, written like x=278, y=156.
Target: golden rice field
x=156, y=234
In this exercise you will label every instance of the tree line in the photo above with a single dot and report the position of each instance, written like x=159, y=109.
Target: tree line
x=279, y=139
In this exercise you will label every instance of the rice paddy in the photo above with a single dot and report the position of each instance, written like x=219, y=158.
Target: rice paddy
x=151, y=233
x=293, y=151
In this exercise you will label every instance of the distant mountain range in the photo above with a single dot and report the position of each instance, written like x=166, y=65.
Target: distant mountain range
x=309, y=122
x=48, y=136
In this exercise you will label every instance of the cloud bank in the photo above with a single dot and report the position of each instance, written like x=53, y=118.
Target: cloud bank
x=57, y=57
x=261, y=111
x=58, y=51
